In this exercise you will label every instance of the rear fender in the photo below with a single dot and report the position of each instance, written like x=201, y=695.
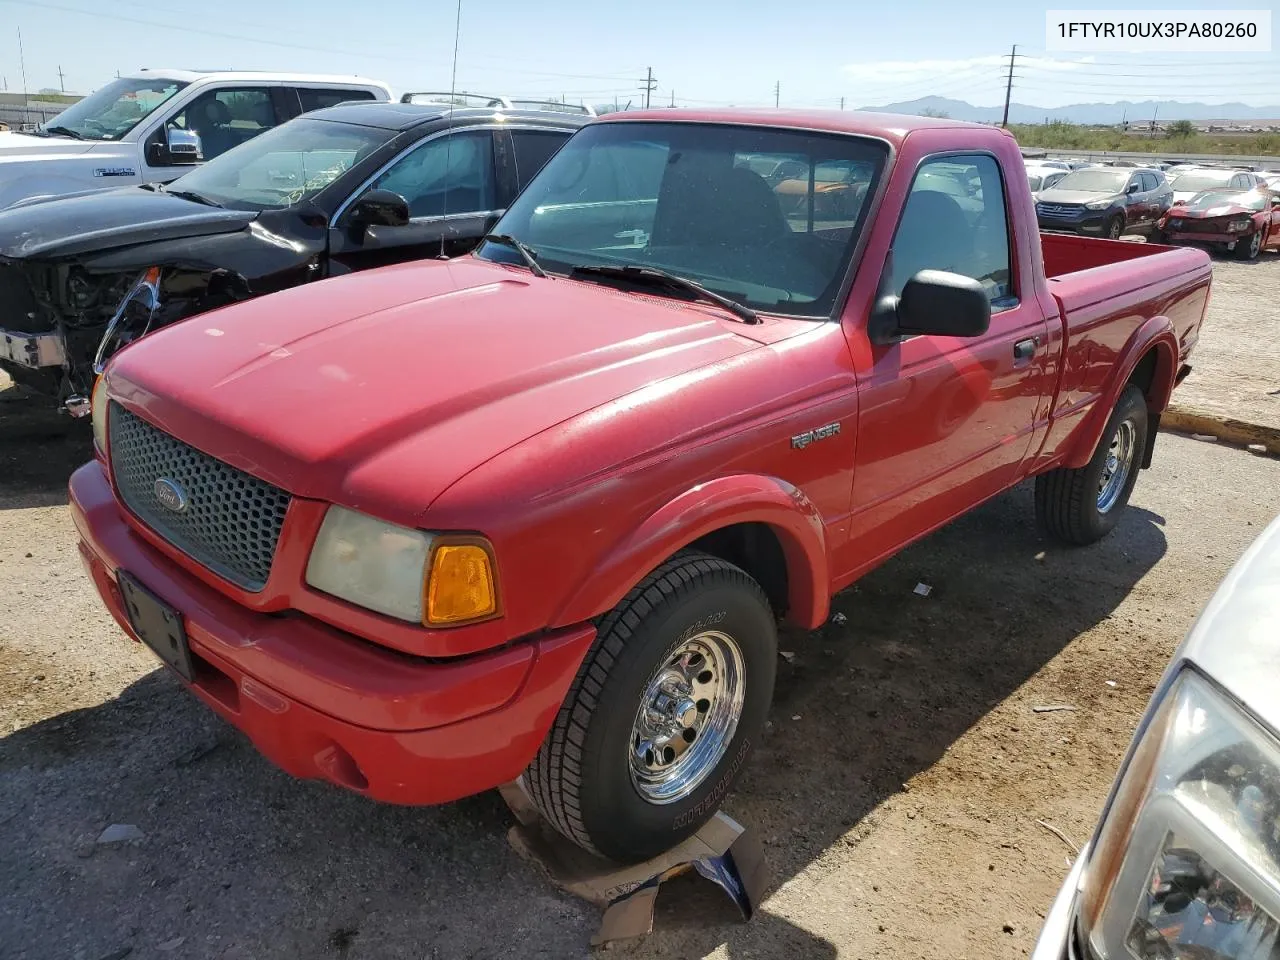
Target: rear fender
x=702, y=510
x=1155, y=334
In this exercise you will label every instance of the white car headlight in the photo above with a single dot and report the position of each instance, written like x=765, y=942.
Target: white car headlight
x=1187, y=863
x=371, y=563
x=1098, y=205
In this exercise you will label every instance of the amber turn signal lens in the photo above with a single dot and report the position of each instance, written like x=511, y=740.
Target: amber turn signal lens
x=461, y=585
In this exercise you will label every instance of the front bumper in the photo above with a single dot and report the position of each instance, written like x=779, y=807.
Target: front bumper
x=1092, y=223
x=323, y=704
x=1058, y=933
x=1192, y=236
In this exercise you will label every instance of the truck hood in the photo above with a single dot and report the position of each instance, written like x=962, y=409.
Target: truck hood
x=381, y=389
x=21, y=146
x=107, y=219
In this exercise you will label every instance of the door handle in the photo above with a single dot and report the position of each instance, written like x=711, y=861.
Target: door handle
x=1025, y=349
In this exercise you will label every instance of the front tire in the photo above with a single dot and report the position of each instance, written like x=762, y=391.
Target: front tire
x=1249, y=249
x=1081, y=506
x=1115, y=227
x=663, y=713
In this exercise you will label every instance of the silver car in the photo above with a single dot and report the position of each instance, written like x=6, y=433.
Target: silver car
x=1185, y=861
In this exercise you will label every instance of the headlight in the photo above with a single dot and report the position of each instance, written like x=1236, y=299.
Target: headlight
x=1098, y=205
x=98, y=407
x=384, y=567
x=1238, y=226
x=1187, y=863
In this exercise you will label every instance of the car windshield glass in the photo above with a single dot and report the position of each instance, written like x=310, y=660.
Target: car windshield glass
x=1033, y=181
x=1227, y=198
x=729, y=207
x=1094, y=181
x=1202, y=180
x=283, y=166
x=112, y=111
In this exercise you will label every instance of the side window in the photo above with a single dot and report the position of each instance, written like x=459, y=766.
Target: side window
x=533, y=148
x=1148, y=181
x=226, y=118
x=446, y=175
x=314, y=98
x=955, y=220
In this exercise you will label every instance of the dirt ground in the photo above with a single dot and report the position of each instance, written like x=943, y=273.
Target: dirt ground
x=897, y=791
x=1237, y=361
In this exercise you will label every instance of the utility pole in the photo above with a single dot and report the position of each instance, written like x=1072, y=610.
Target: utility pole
x=1155, y=114
x=777, y=93
x=673, y=98
x=22, y=63
x=842, y=103
x=1008, y=88
x=650, y=84
x=61, y=80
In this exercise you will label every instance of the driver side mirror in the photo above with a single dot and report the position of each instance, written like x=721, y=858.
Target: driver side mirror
x=1133, y=188
x=179, y=148
x=379, y=208
x=933, y=303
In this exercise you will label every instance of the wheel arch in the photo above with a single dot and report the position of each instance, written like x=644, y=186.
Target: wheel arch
x=1149, y=361
x=762, y=524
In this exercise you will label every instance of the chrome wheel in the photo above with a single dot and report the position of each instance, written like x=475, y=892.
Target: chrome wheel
x=1116, y=228
x=1115, y=471
x=688, y=714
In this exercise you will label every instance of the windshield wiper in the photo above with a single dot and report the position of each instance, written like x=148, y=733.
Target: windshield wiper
x=65, y=132
x=654, y=277
x=518, y=246
x=192, y=196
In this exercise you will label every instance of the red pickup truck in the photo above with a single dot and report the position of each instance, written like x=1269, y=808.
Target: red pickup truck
x=538, y=510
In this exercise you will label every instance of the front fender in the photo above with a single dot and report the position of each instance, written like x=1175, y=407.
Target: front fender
x=1157, y=334
x=701, y=510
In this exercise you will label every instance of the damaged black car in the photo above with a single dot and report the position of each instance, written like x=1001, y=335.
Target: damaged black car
x=346, y=188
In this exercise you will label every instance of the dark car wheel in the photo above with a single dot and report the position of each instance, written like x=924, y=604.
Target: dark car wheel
x=663, y=713
x=1081, y=506
x=1115, y=227
x=1249, y=247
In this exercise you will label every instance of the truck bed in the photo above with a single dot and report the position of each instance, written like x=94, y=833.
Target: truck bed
x=1095, y=280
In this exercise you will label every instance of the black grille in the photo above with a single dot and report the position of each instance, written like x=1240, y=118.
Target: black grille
x=1056, y=210
x=230, y=521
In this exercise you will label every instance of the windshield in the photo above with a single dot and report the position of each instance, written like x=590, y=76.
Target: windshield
x=729, y=207
x=1201, y=180
x=1094, y=181
x=283, y=166
x=112, y=111
x=1250, y=200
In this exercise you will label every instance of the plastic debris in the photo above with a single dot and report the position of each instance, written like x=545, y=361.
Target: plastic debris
x=839, y=618
x=795, y=716
x=922, y=590
x=787, y=655
x=1111, y=683
x=121, y=833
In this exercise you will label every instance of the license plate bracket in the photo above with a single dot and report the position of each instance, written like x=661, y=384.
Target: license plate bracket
x=157, y=624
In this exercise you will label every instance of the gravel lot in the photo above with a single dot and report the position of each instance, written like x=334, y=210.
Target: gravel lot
x=897, y=793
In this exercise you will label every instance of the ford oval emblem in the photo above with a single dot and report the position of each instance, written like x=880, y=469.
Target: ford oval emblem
x=170, y=495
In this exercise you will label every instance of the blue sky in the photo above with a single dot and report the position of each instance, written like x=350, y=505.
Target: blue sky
x=702, y=51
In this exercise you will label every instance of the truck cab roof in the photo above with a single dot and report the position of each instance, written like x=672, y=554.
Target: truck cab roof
x=406, y=116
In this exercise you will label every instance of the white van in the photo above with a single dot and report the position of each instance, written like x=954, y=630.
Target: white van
x=151, y=127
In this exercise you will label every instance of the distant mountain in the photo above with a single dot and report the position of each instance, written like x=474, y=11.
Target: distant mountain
x=1083, y=112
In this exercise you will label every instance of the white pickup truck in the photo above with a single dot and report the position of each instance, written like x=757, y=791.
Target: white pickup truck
x=151, y=127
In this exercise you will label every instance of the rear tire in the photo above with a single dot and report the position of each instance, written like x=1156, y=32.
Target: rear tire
x=1249, y=249
x=1081, y=506
x=1115, y=227
x=663, y=713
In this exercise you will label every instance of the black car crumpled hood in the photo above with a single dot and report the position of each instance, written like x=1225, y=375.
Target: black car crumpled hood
x=107, y=220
